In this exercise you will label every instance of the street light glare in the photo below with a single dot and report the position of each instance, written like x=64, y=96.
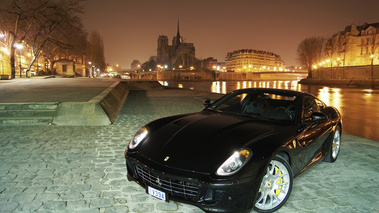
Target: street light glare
x=18, y=46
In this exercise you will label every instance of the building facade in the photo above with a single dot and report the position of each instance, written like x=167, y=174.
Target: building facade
x=5, y=66
x=355, y=46
x=179, y=55
x=249, y=60
x=58, y=65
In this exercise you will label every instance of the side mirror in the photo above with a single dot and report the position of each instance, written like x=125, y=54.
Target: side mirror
x=318, y=116
x=207, y=103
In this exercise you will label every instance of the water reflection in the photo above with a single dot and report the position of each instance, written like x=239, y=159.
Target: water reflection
x=331, y=96
x=358, y=107
x=224, y=87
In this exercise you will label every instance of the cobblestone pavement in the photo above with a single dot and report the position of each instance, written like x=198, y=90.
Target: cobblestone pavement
x=82, y=169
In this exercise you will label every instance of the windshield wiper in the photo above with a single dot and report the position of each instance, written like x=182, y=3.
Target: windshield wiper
x=257, y=117
x=213, y=110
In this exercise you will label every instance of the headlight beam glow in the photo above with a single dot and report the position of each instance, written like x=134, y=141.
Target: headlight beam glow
x=234, y=163
x=138, y=138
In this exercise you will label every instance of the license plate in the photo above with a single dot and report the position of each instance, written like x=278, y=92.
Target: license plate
x=156, y=193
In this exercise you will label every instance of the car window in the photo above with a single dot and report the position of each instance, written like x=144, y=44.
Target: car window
x=263, y=105
x=234, y=104
x=311, y=105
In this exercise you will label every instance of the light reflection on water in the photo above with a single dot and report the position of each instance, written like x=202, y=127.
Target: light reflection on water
x=332, y=97
x=358, y=106
x=224, y=87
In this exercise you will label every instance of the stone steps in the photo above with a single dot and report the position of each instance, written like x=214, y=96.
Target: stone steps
x=18, y=114
x=27, y=113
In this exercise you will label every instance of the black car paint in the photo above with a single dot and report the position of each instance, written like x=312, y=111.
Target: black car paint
x=217, y=137
x=215, y=133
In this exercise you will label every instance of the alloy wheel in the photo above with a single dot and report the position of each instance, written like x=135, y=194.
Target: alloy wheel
x=336, y=144
x=275, y=187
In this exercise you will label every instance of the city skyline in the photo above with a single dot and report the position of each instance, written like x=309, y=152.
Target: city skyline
x=130, y=28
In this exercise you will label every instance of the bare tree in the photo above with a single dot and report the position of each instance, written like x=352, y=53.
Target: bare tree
x=95, y=51
x=309, y=52
x=136, y=65
x=344, y=44
x=331, y=48
x=15, y=20
x=39, y=22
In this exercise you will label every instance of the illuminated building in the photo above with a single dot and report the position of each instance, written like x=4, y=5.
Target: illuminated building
x=5, y=68
x=355, y=46
x=249, y=60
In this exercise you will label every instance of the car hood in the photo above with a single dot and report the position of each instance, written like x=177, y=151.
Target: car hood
x=201, y=142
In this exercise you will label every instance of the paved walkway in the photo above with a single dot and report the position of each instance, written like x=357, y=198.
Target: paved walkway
x=82, y=169
x=23, y=90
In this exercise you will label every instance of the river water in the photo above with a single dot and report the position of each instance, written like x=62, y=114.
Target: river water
x=359, y=107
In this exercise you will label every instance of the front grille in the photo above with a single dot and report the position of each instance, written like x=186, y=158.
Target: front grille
x=176, y=188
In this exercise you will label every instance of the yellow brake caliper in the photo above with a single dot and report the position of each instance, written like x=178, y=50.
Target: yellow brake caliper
x=280, y=181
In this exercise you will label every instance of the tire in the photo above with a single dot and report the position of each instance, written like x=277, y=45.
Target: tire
x=334, y=147
x=276, y=186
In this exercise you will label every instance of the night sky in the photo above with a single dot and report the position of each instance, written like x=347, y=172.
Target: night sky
x=130, y=28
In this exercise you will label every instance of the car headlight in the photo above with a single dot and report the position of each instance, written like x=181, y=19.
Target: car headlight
x=138, y=138
x=234, y=162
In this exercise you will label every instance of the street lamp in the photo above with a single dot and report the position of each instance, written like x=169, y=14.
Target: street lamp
x=19, y=47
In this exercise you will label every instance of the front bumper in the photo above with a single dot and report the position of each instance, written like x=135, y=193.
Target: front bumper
x=210, y=196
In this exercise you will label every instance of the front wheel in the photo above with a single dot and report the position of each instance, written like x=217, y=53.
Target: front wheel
x=275, y=187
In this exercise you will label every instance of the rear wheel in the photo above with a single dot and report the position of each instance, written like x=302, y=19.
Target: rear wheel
x=275, y=187
x=335, y=145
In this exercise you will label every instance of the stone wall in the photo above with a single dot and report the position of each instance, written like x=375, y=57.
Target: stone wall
x=228, y=76
x=351, y=72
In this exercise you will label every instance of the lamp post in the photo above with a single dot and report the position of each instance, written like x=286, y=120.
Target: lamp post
x=19, y=47
x=90, y=69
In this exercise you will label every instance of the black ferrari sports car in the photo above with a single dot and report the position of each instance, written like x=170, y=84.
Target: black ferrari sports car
x=241, y=152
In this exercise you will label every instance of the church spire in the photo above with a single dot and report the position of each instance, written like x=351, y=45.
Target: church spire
x=178, y=35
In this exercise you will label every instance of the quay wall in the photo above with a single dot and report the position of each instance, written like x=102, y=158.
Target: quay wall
x=351, y=72
x=345, y=76
x=228, y=76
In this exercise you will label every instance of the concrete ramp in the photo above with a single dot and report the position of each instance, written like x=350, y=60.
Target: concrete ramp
x=65, y=101
x=100, y=111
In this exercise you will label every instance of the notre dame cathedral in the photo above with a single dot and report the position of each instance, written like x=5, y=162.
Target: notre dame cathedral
x=179, y=55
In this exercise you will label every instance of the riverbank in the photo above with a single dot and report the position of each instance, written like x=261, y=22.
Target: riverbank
x=341, y=82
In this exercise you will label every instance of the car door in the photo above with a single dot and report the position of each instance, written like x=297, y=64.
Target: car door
x=314, y=131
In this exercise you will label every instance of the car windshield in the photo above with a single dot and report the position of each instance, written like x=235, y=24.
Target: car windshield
x=274, y=106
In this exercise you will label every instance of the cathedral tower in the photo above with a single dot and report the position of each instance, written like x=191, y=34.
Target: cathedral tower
x=177, y=40
x=163, y=49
